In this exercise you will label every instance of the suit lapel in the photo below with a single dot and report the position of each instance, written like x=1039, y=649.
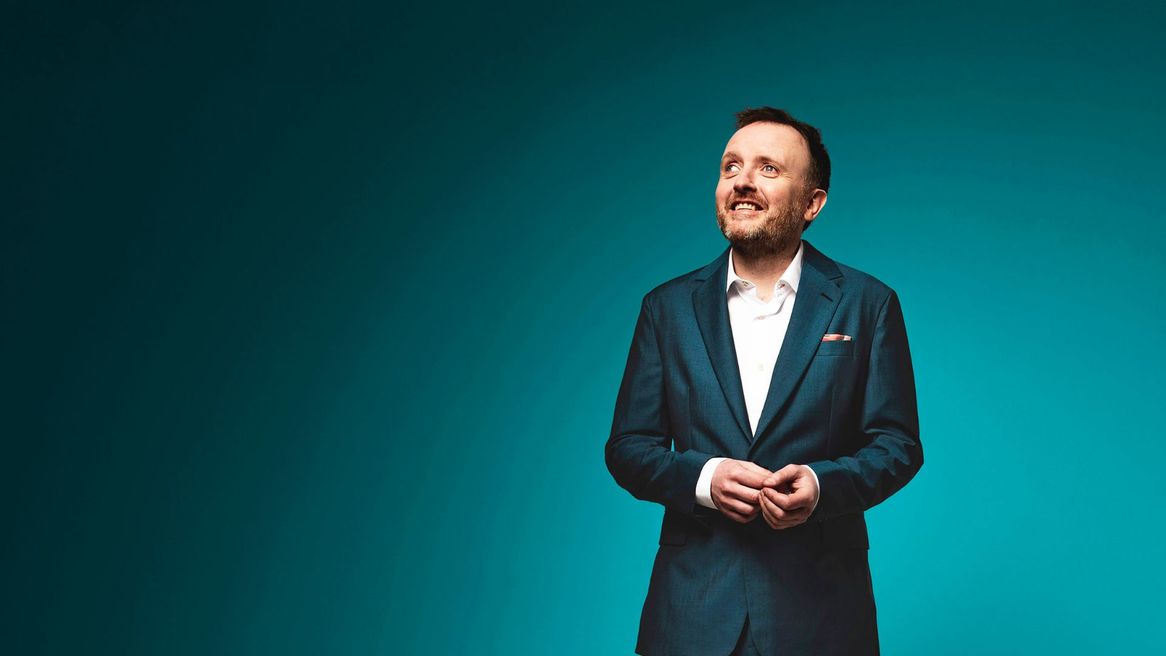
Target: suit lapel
x=710, y=303
x=817, y=298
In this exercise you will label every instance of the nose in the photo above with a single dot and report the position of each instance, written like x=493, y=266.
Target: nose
x=743, y=182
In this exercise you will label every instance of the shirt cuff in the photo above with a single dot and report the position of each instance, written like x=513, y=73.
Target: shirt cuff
x=816, y=484
x=704, y=484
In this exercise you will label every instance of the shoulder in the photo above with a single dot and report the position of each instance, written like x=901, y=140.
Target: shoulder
x=853, y=281
x=864, y=282
x=678, y=286
x=871, y=299
x=679, y=289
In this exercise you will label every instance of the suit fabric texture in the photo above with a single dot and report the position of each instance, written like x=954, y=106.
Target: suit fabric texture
x=846, y=408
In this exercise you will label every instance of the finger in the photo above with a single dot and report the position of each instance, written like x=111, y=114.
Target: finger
x=726, y=509
x=744, y=493
x=767, y=512
x=773, y=497
x=755, y=468
x=750, y=477
x=733, y=516
x=801, y=498
x=738, y=517
x=735, y=505
x=777, y=518
x=768, y=518
x=797, y=517
x=775, y=511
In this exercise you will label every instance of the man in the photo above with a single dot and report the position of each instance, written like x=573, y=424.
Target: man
x=784, y=381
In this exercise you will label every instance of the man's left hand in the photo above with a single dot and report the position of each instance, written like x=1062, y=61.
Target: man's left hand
x=788, y=496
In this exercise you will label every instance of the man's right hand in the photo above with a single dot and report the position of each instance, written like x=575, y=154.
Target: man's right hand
x=736, y=487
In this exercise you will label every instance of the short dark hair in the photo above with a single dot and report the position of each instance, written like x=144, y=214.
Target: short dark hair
x=819, y=158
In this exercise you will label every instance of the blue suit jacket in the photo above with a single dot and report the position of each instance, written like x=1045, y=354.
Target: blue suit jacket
x=845, y=408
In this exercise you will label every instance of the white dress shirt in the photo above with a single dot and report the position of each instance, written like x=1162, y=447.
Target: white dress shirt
x=759, y=329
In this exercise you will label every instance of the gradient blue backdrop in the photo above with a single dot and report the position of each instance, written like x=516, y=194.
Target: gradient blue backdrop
x=314, y=315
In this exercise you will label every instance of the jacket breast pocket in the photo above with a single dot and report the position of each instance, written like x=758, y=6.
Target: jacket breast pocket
x=836, y=349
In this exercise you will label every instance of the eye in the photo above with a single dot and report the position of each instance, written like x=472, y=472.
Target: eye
x=769, y=168
x=731, y=167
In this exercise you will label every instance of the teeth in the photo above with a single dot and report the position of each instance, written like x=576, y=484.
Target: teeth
x=744, y=206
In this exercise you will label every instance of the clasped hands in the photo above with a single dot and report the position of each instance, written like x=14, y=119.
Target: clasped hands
x=785, y=498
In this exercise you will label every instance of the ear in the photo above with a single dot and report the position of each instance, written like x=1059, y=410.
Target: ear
x=815, y=205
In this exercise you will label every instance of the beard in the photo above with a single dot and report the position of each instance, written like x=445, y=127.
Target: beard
x=777, y=232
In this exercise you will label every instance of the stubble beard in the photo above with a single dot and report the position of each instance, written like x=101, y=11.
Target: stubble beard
x=776, y=234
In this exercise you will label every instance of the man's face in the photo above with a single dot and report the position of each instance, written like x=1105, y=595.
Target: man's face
x=764, y=196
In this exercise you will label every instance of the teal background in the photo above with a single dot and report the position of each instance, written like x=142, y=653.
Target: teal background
x=314, y=315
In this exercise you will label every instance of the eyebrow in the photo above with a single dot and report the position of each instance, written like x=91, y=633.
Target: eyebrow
x=763, y=158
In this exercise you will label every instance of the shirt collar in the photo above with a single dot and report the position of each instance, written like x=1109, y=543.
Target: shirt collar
x=792, y=275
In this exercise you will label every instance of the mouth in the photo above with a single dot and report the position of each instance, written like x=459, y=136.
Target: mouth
x=744, y=208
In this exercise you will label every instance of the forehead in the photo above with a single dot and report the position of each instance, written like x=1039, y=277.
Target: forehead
x=771, y=140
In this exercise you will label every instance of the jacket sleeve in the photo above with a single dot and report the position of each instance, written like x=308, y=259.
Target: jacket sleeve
x=890, y=424
x=638, y=452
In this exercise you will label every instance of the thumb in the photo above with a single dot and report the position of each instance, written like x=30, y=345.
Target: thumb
x=783, y=476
